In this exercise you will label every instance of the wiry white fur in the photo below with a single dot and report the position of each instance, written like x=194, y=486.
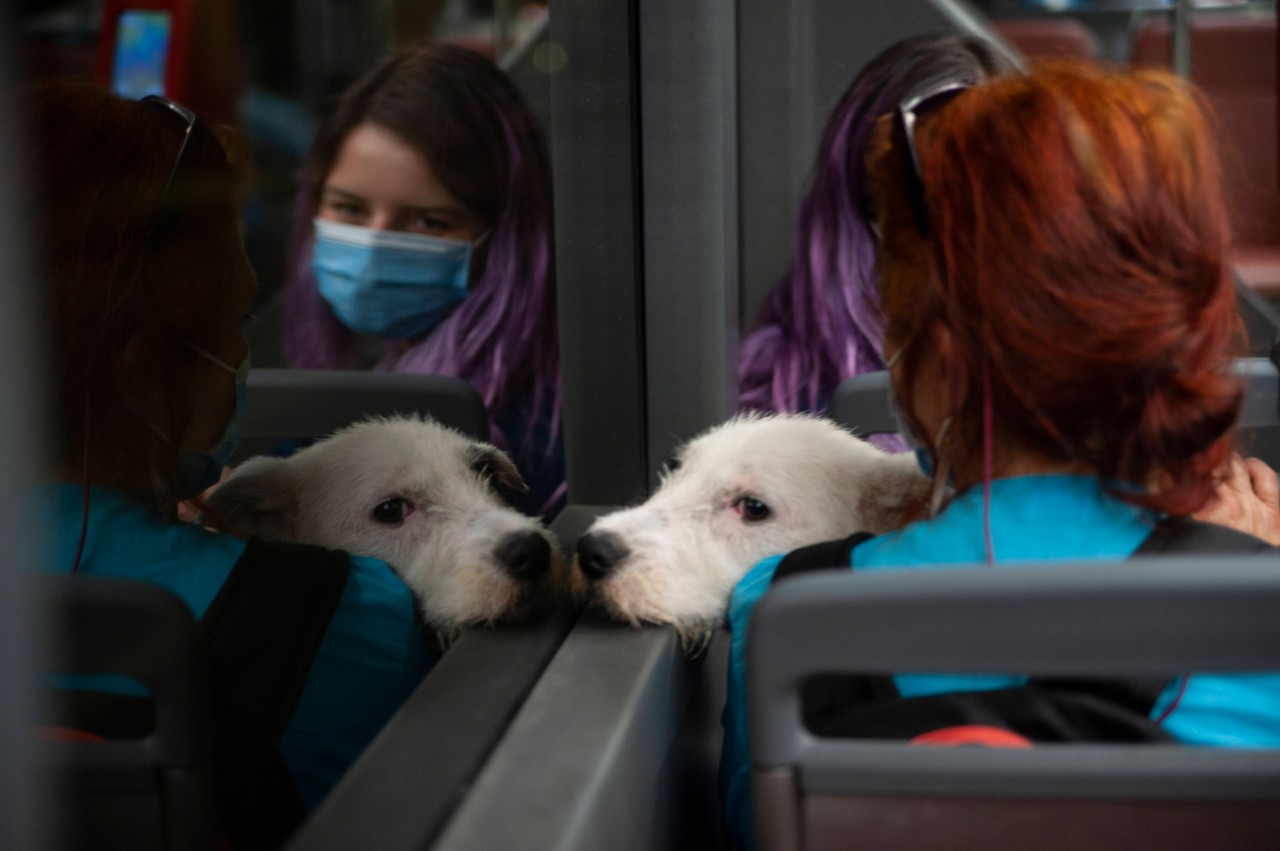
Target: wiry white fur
x=687, y=544
x=444, y=548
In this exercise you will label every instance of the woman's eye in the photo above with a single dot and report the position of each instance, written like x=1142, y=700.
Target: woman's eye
x=391, y=512
x=345, y=210
x=751, y=509
x=431, y=224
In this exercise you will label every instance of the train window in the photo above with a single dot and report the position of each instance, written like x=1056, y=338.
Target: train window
x=681, y=144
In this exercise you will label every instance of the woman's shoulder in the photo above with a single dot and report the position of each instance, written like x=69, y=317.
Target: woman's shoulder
x=124, y=538
x=1029, y=518
x=750, y=589
x=375, y=577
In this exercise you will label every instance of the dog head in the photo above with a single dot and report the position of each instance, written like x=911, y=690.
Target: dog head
x=752, y=487
x=421, y=497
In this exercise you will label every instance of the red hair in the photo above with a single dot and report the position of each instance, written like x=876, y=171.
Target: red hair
x=119, y=309
x=1076, y=259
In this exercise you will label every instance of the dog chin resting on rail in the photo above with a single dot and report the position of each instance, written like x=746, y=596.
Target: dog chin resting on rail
x=421, y=497
x=755, y=486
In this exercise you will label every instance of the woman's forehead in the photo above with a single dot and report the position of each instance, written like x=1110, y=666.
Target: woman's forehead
x=376, y=165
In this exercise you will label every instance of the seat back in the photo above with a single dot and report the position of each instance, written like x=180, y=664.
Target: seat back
x=156, y=791
x=1057, y=37
x=301, y=404
x=862, y=404
x=1158, y=617
x=1261, y=320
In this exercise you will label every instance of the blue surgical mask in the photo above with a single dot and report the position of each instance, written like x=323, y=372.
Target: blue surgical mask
x=387, y=283
x=201, y=469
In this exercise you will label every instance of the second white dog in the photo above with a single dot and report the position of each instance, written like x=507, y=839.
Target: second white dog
x=419, y=496
x=752, y=487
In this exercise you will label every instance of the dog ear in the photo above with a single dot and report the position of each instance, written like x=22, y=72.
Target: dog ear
x=488, y=461
x=258, y=499
x=509, y=475
x=895, y=493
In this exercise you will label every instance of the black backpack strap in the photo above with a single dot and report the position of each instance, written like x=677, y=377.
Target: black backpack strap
x=262, y=632
x=1036, y=711
x=825, y=695
x=1177, y=535
x=1137, y=695
x=822, y=556
x=1171, y=536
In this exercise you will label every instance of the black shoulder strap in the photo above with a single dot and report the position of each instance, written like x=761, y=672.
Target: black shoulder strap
x=822, y=556
x=265, y=625
x=1045, y=709
x=1037, y=711
x=1171, y=536
x=1177, y=535
x=828, y=695
x=262, y=632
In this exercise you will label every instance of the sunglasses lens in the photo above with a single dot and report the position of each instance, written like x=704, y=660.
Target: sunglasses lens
x=911, y=109
x=198, y=145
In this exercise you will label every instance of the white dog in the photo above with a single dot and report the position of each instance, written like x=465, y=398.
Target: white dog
x=419, y=496
x=752, y=487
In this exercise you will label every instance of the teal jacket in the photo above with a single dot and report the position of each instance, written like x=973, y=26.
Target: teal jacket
x=1033, y=518
x=370, y=659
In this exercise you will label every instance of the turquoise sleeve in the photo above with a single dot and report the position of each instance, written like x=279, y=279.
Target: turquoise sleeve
x=372, y=657
x=735, y=756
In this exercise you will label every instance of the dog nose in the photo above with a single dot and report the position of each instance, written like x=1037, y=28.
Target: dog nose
x=526, y=555
x=598, y=553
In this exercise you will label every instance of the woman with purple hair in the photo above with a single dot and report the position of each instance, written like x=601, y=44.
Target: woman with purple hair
x=821, y=324
x=422, y=243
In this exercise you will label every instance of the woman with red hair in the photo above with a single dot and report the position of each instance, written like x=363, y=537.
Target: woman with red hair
x=1060, y=325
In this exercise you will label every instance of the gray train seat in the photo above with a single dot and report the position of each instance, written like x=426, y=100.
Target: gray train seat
x=1261, y=321
x=152, y=792
x=1154, y=618
x=861, y=404
x=304, y=404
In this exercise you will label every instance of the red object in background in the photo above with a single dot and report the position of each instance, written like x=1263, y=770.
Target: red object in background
x=972, y=734
x=68, y=734
x=176, y=61
x=1235, y=62
x=1048, y=37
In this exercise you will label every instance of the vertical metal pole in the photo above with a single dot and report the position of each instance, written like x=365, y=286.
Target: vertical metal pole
x=23, y=820
x=596, y=171
x=1182, y=38
x=501, y=29
x=689, y=198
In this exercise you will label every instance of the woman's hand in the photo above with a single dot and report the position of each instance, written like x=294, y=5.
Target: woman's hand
x=190, y=511
x=1247, y=500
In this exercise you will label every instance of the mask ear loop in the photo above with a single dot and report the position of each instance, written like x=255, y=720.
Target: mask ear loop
x=987, y=451
x=942, y=473
x=84, y=492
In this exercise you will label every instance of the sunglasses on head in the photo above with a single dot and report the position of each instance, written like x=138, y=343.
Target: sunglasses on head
x=908, y=113
x=198, y=145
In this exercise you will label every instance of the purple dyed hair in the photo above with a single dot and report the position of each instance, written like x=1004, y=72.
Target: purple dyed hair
x=465, y=116
x=822, y=324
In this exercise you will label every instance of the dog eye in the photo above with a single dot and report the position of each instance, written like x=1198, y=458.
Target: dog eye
x=751, y=509
x=670, y=465
x=390, y=512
